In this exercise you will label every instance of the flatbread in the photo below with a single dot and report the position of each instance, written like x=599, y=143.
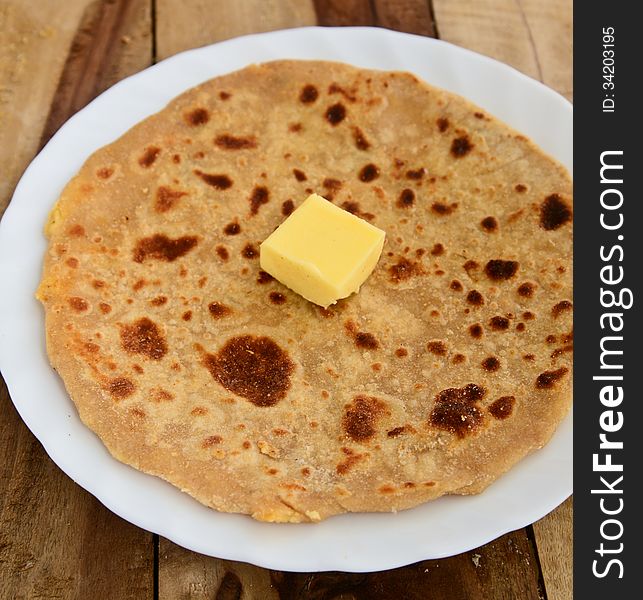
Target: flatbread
x=449, y=366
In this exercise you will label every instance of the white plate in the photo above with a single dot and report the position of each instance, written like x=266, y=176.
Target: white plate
x=358, y=542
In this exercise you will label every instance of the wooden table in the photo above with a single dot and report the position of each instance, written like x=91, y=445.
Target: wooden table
x=56, y=540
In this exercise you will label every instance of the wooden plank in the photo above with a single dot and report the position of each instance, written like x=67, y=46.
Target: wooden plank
x=34, y=41
x=534, y=36
x=113, y=41
x=554, y=537
x=56, y=540
x=187, y=575
x=504, y=569
x=411, y=16
x=185, y=24
x=344, y=13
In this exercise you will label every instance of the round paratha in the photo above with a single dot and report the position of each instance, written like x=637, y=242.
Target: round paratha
x=451, y=363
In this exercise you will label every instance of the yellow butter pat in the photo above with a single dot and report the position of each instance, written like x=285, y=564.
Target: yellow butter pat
x=322, y=252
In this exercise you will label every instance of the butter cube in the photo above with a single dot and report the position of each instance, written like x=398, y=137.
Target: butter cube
x=322, y=252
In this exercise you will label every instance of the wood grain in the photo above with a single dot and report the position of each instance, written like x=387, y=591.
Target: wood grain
x=554, y=537
x=56, y=540
x=113, y=41
x=34, y=41
x=534, y=36
x=184, y=24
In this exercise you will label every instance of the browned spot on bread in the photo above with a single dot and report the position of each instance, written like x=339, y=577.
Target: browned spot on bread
x=499, y=323
x=499, y=270
x=554, y=212
x=150, y=154
x=98, y=284
x=161, y=247
x=443, y=124
x=260, y=195
x=176, y=159
x=225, y=95
x=139, y=413
x=222, y=253
x=197, y=116
x=77, y=230
x=520, y=188
x=386, y=489
x=139, y=285
x=160, y=395
x=396, y=431
x=361, y=416
x=253, y=367
x=335, y=113
x=287, y=208
x=401, y=352
x=144, y=337
x=299, y=175
x=456, y=286
x=218, y=310
x=458, y=358
x=520, y=327
x=437, y=250
x=335, y=88
x=475, y=298
x=478, y=115
x=562, y=306
x=199, y=411
x=361, y=143
x=72, y=262
x=437, y=347
x=218, y=181
x=456, y=409
x=471, y=265
x=158, y=301
x=366, y=340
x=277, y=298
x=369, y=172
x=120, y=388
x=231, y=142
x=264, y=278
x=526, y=290
x=250, y=251
x=491, y=364
x=529, y=356
x=211, y=440
x=295, y=127
x=404, y=269
x=489, y=224
x=355, y=209
x=352, y=458
x=104, y=172
x=502, y=407
x=305, y=471
x=104, y=308
x=166, y=198
x=548, y=379
x=232, y=228
x=332, y=186
x=246, y=445
x=416, y=173
x=442, y=209
x=308, y=94
x=406, y=198
x=187, y=315
x=562, y=350
x=78, y=304
x=461, y=146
